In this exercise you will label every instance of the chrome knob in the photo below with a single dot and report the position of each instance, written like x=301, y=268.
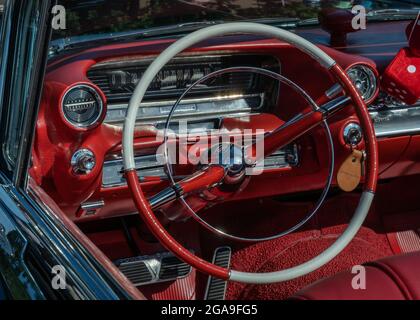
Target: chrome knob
x=83, y=161
x=353, y=134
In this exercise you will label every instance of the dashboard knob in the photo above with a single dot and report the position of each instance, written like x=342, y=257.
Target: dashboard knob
x=83, y=161
x=353, y=134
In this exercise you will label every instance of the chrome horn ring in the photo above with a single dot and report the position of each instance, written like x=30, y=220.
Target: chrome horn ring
x=297, y=89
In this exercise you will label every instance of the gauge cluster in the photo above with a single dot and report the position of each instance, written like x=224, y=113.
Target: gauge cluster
x=227, y=95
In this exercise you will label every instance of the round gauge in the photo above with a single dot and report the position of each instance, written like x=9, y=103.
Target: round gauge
x=82, y=106
x=364, y=79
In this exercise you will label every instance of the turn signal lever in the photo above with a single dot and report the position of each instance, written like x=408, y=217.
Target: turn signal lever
x=201, y=180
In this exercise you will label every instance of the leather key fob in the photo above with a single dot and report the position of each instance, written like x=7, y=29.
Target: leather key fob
x=350, y=172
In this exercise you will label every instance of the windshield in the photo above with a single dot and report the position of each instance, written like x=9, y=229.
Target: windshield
x=87, y=17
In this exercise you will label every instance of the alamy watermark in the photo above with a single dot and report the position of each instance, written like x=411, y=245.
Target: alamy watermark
x=358, y=282
x=58, y=281
x=59, y=21
x=359, y=20
x=59, y=17
x=217, y=146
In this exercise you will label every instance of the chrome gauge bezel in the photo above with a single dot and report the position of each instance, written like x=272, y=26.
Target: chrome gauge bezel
x=372, y=78
x=91, y=123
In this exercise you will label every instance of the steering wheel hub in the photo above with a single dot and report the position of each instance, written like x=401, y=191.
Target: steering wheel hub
x=231, y=157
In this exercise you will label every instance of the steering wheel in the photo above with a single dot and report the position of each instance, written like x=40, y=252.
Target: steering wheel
x=213, y=175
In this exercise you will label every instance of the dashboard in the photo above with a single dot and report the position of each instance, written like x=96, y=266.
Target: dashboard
x=86, y=95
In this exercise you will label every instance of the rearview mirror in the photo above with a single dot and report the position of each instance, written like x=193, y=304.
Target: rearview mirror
x=338, y=23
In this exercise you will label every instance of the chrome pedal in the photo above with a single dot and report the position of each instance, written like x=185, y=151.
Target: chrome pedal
x=158, y=268
x=216, y=288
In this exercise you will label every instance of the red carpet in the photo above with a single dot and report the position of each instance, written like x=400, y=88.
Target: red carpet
x=266, y=216
x=297, y=248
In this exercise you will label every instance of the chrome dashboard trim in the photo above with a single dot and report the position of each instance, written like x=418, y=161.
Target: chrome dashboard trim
x=396, y=122
x=186, y=115
x=162, y=103
x=392, y=117
x=284, y=158
x=93, y=205
x=115, y=168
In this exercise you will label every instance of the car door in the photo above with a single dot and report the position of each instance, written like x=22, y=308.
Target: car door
x=39, y=257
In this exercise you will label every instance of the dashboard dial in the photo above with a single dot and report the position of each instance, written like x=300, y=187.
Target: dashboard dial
x=82, y=106
x=365, y=80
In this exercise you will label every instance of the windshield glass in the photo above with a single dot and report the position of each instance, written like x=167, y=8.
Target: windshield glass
x=86, y=17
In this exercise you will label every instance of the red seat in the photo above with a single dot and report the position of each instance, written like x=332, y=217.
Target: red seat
x=393, y=278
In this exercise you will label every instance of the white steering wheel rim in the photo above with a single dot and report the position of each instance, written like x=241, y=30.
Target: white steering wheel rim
x=265, y=30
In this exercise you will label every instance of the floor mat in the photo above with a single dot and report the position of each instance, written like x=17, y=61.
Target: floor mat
x=298, y=248
x=259, y=218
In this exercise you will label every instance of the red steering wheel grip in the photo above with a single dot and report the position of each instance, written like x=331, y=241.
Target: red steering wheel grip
x=165, y=238
x=367, y=125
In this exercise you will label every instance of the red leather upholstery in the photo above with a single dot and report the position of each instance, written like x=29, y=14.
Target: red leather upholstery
x=393, y=278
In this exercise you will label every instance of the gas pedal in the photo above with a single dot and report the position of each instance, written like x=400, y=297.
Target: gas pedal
x=216, y=288
x=157, y=268
x=408, y=241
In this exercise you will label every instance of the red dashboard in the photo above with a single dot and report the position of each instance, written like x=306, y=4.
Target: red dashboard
x=57, y=141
